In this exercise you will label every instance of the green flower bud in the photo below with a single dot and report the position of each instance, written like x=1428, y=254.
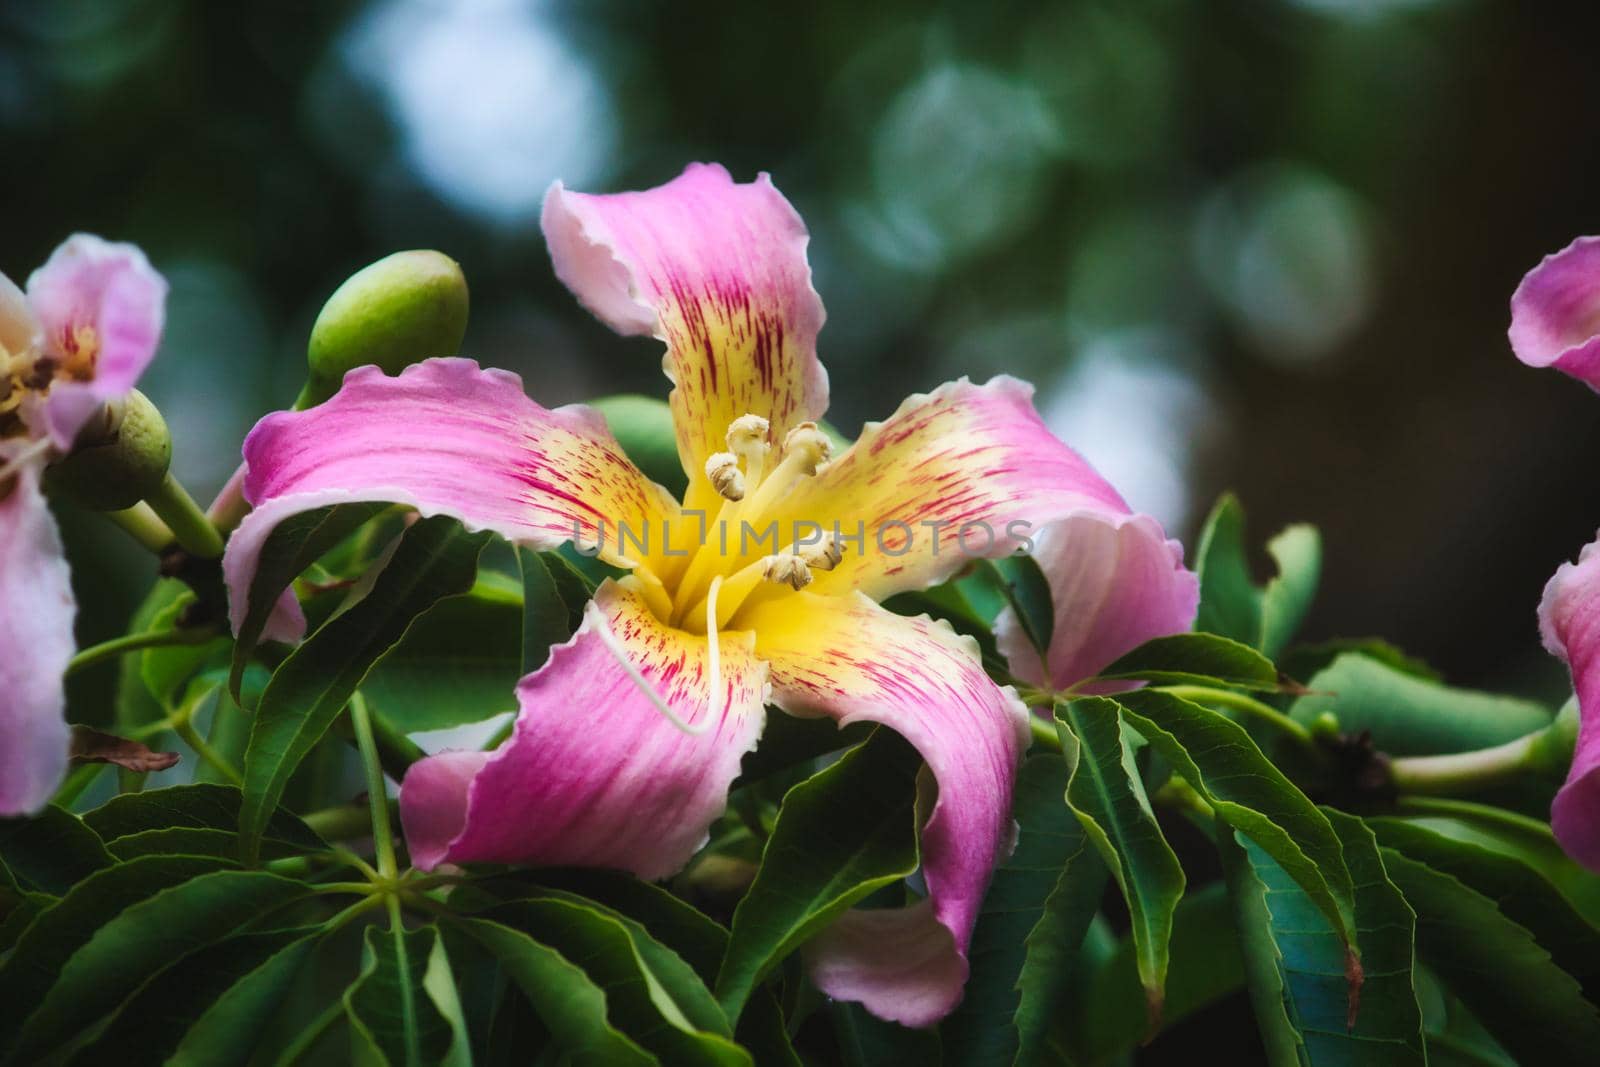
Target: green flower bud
x=119, y=459
x=1325, y=727
x=403, y=309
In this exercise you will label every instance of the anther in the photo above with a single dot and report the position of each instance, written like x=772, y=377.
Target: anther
x=748, y=434
x=787, y=568
x=825, y=555
x=810, y=444
x=726, y=477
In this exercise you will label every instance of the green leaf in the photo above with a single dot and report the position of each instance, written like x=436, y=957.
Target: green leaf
x=143, y=939
x=1027, y=592
x=1231, y=604
x=59, y=931
x=166, y=671
x=546, y=614
x=294, y=544
x=458, y=663
x=844, y=832
x=1106, y=1018
x=1297, y=551
x=952, y=603
x=187, y=818
x=52, y=851
x=150, y=1025
x=1204, y=659
x=1218, y=759
x=1408, y=715
x=1033, y=918
x=1531, y=1006
x=1522, y=893
x=1107, y=796
x=388, y=1010
x=571, y=1004
x=1295, y=958
x=226, y=1034
x=435, y=558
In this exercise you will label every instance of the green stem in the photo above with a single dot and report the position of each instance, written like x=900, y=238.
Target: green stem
x=142, y=524
x=202, y=748
x=396, y=751
x=1044, y=733
x=135, y=642
x=1227, y=698
x=1465, y=772
x=189, y=524
x=377, y=794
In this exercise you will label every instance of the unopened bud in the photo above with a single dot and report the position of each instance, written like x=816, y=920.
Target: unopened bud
x=789, y=569
x=121, y=456
x=812, y=444
x=401, y=310
x=726, y=477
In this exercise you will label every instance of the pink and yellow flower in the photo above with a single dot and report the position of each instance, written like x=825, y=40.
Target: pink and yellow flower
x=630, y=734
x=80, y=336
x=1555, y=322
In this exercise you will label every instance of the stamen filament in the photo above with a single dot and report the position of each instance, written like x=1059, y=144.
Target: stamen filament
x=714, y=652
x=602, y=630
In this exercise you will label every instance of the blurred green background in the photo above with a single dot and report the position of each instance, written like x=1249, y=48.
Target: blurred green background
x=1264, y=245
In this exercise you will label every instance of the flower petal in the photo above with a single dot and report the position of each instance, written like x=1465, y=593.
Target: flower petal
x=19, y=330
x=111, y=289
x=1115, y=583
x=1569, y=619
x=718, y=271
x=1555, y=313
x=974, y=459
x=447, y=438
x=850, y=659
x=595, y=775
x=35, y=645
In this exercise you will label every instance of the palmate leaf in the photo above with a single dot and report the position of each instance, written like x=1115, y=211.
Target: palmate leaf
x=1033, y=917
x=293, y=545
x=841, y=834
x=1531, y=1006
x=1218, y=759
x=1104, y=791
x=1295, y=958
x=392, y=1019
x=140, y=940
x=58, y=931
x=435, y=558
x=1206, y=659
